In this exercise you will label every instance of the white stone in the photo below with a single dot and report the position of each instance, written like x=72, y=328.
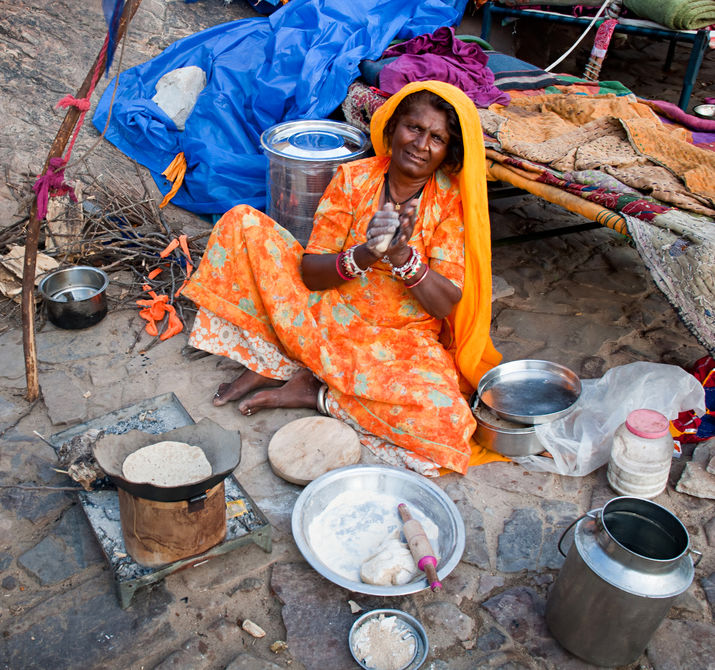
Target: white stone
x=696, y=480
x=501, y=288
x=177, y=92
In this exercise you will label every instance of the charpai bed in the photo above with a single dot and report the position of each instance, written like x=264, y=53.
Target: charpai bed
x=643, y=168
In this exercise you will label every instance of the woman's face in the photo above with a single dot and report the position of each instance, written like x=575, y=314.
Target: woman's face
x=420, y=140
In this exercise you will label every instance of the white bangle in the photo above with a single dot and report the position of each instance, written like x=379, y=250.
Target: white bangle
x=322, y=407
x=351, y=267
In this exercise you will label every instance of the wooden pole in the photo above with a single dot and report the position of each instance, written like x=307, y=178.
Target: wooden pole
x=33, y=227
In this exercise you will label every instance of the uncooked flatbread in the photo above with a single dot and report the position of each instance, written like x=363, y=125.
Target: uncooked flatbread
x=391, y=564
x=167, y=464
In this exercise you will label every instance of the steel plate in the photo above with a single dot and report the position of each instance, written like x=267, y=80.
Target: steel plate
x=336, y=538
x=529, y=392
x=704, y=111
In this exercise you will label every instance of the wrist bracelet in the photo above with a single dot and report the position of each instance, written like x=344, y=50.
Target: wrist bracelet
x=410, y=268
x=338, y=264
x=420, y=280
x=349, y=264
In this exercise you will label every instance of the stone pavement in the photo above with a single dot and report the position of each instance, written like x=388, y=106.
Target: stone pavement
x=583, y=300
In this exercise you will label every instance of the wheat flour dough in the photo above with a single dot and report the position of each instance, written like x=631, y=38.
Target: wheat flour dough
x=391, y=564
x=167, y=463
x=352, y=526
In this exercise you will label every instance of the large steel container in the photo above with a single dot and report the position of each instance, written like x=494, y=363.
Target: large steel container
x=628, y=563
x=303, y=156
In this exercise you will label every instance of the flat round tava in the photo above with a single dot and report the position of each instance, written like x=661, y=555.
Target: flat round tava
x=304, y=449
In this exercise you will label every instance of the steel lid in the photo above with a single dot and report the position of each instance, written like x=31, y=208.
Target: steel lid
x=314, y=140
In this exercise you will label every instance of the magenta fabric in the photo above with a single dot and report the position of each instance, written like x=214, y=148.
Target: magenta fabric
x=671, y=111
x=441, y=56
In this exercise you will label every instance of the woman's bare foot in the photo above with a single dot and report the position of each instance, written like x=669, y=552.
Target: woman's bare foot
x=239, y=387
x=301, y=390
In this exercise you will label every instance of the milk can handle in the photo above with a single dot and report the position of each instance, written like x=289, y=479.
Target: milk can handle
x=592, y=514
x=699, y=557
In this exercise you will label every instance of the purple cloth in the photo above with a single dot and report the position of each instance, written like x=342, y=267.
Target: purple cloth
x=671, y=111
x=442, y=57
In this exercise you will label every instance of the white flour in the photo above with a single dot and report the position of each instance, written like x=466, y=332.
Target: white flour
x=350, y=529
x=384, y=643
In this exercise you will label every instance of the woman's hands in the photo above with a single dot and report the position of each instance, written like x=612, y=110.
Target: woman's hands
x=389, y=231
x=387, y=234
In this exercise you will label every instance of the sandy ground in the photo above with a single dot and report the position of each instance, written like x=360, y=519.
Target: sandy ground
x=583, y=300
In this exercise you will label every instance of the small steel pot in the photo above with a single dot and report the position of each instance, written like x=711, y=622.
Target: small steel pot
x=505, y=437
x=75, y=297
x=412, y=627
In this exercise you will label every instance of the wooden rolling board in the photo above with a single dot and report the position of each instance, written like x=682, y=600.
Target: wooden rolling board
x=306, y=448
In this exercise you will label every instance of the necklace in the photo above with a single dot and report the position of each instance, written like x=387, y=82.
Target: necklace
x=404, y=202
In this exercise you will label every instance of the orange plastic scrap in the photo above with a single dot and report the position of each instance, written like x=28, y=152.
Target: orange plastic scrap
x=158, y=306
x=183, y=242
x=175, y=173
x=174, y=324
x=181, y=288
x=154, y=311
x=169, y=248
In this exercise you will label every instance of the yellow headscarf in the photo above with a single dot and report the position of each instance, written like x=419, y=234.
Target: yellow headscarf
x=471, y=318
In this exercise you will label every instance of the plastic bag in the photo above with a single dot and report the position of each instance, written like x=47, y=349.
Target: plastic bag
x=581, y=441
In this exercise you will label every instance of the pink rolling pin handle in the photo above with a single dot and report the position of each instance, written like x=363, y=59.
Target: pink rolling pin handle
x=428, y=564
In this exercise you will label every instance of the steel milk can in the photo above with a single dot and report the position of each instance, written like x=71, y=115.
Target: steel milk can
x=628, y=562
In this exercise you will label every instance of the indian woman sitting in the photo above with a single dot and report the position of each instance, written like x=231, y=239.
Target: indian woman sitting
x=383, y=320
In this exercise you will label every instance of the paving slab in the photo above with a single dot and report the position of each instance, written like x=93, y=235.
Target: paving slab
x=682, y=644
x=520, y=612
x=317, y=617
x=80, y=628
x=71, y=548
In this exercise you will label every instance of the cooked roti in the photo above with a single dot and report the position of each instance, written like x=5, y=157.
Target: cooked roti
x=167, y=464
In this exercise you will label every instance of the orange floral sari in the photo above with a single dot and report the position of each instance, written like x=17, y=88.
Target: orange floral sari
x=369, y=340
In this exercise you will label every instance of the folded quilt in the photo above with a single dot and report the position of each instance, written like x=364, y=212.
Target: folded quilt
x=675, y=14
x=511, y=73
x=621, y=137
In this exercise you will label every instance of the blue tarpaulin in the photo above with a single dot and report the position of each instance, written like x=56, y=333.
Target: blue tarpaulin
x=296, y=63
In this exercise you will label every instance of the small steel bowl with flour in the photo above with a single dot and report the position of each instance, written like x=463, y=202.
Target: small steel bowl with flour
x=388, y=639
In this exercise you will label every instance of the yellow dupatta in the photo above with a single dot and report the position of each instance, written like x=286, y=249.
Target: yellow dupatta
x=471, y=317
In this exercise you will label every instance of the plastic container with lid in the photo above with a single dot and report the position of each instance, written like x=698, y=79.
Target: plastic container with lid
x=641, y=455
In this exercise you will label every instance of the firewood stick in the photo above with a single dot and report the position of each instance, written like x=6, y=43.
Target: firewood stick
x=33, y=226
x=420, y=546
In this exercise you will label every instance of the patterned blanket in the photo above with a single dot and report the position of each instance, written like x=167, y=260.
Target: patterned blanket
x=618, y=154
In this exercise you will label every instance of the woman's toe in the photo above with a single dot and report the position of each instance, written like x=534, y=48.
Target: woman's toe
x=220, y=395
x=246, y=408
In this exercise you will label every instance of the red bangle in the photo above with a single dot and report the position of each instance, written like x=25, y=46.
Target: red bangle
x=421, y=279
x=338, y=263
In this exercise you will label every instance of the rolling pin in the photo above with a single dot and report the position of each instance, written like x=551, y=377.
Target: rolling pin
x=420, y=546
